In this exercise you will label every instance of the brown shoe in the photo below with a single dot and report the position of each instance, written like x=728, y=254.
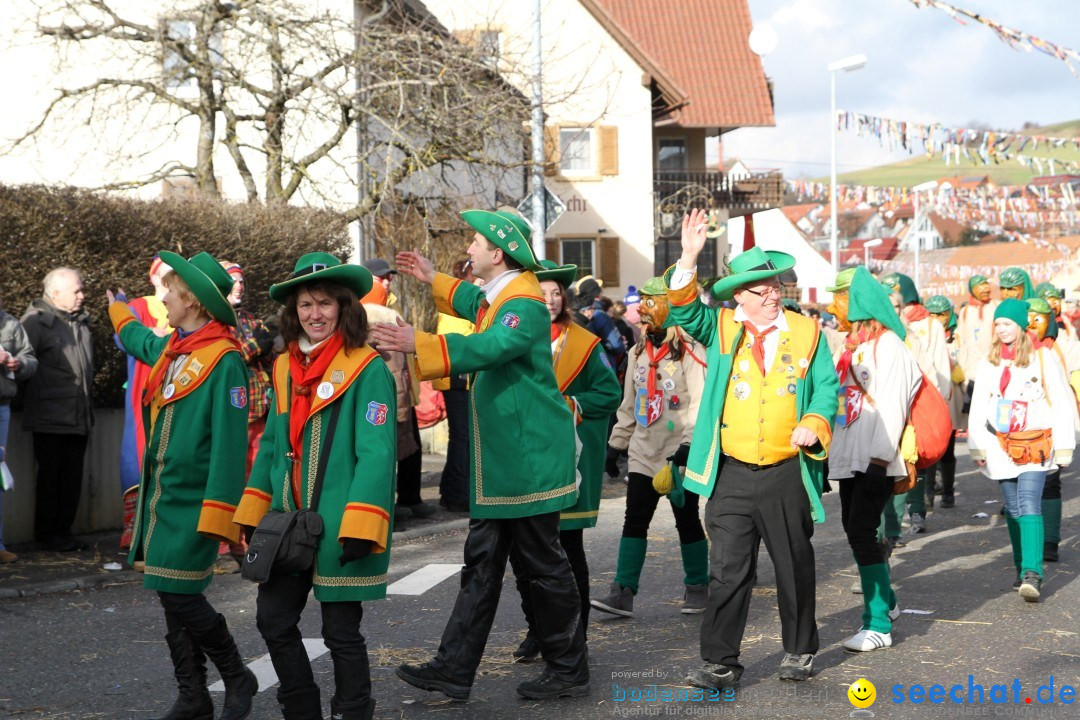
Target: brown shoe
x=7, y=557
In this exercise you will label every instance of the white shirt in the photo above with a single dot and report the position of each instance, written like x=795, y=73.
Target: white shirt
x=500, y=281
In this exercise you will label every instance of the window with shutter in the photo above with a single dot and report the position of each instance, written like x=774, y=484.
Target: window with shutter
x=576, y=151
x=551, y=251
x=609, y=261
x=551, y=149
x=609, y=150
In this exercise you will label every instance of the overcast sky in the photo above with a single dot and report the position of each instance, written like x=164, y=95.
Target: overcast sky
x=923, y=66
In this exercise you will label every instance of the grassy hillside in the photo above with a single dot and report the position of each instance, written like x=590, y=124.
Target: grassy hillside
x=920, y=169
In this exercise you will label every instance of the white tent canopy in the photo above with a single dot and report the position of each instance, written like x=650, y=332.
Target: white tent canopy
x=773, y=231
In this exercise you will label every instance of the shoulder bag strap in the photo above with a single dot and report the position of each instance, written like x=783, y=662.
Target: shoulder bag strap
x=324, y=454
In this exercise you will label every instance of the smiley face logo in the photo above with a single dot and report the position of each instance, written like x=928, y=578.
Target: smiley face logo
x=862, y=693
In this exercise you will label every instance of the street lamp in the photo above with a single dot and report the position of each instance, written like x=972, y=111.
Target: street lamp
x=847, y=64
x=921, y=187
x=866, y=250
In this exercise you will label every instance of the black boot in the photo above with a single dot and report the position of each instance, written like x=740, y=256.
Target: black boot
x=240, y=683
x=354, y=710
x=302, y=704
x=189, y=667
x=948, y=481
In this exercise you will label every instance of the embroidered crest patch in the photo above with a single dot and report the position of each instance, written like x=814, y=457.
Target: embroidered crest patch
x=238, y=397
x=376, y=413
x=606, y=360
x=511, y=320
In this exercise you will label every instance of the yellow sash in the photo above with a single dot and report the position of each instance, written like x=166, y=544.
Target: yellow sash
x=575, y=346
x=339, y=374
x=195, y=370
x=524, y=285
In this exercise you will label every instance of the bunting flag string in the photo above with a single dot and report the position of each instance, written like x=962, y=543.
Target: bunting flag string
x=1015, y=39
x=954, y=145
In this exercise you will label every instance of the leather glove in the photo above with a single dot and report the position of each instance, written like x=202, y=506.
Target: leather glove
x=611, y=465
x=876, y=471
x=354, y=549
x=679, y=456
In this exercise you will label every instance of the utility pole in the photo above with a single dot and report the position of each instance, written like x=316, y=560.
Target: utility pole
x=539, y=224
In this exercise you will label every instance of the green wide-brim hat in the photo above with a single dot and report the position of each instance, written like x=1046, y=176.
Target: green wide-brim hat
x=208, y=281
x=842, y=282
x=749, y=267
x=508, y=231
x=565, y=275
x=322, y=267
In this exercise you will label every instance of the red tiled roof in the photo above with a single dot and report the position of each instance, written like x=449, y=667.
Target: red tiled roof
x=795, y=213
x=701, y=46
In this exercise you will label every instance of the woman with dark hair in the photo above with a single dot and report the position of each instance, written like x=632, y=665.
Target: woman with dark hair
x=330, y=445
x=591, y=391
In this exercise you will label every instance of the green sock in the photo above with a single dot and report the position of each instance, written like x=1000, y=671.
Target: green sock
x=1051, y=513
x=695, y=562
x=1031, y=543
x=631, y=560
x=878, y=597
x=1014, y=538
x=916, y=497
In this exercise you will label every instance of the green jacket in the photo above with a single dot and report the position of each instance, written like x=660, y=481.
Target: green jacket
x=816, y=389
x=357, y=497
x=193, y=469
x=517, y=415
x=585, y=376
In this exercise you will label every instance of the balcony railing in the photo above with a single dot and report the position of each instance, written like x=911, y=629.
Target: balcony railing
x=676, y=191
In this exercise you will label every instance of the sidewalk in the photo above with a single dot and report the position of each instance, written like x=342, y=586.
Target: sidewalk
x=41, y=572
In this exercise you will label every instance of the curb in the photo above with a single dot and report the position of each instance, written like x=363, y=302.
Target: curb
x=88, y=582
x=81, y=583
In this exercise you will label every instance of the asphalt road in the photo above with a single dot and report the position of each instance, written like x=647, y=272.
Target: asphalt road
x=100, y=653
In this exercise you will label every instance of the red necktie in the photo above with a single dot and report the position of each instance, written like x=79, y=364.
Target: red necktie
x=758, y=348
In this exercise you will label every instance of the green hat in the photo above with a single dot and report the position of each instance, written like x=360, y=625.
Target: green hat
x=1046, y=289
x=1040, y=306
x=938, y=304
x=908, y=292
x=869, y=300
x=655, y=286
x=749, y=267
x=508, y=231
x=565, y=275
x=1014, y=276
x=1013, y=309
x=208, y=281
x=791, y=304
x=320, y=266
x=891, y=280
x=843, y=281
x=976, y=280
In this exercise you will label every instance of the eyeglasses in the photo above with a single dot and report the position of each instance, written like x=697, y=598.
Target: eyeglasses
x=765, y=293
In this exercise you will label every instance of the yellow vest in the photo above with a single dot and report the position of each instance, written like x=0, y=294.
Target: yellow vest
x=759, y=412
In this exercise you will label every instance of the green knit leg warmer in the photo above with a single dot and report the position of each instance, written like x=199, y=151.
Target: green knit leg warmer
x=1051, y=513
x=916, y=497
x=695, y=562
x=1031, y=543
x=631, y=560
x=878, y=597
x=894, y=510
x=1014, y=538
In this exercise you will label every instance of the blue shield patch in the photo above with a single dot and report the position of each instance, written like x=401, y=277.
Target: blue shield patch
x=511, y=320
x=238, y=397
x=376, y=413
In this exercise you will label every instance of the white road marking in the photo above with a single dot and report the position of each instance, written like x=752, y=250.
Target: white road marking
x=264, y=669
x=427, y=577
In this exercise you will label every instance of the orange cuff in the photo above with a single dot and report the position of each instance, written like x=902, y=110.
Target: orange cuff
x=684, y=295
x=120, y=315
x=366, y=522
x=253, y=505
x=443, y=287
x=432, y=356
x=216, y=521
x=820, y=427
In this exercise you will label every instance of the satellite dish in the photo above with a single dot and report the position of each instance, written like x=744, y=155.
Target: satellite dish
x=762, y=40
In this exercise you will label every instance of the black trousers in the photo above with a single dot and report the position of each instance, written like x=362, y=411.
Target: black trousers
x=278, y=608
x=573, y=544
x=453, y=485
x=862, y=500
x=408, y=470
x=191, y=612
x=558, y=626
x=641, y=502
x=59, y=483
x=746, y=506
x=1052, y=486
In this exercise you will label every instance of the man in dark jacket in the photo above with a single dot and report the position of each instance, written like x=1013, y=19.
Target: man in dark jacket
x=17, y=364
x=58, y=407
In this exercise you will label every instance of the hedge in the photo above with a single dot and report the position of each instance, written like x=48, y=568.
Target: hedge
x=112, y=241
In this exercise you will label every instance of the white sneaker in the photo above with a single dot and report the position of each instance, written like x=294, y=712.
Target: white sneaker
x=856, y=587
x=894, y=614
x=866, y=640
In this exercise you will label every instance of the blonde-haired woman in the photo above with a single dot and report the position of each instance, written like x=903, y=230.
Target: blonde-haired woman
x=1021, y=427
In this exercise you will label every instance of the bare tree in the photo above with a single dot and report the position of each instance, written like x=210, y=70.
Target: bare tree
x=280, y=84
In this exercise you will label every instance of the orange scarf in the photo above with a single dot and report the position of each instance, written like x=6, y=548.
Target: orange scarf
x=305, y=371
x=208, y=334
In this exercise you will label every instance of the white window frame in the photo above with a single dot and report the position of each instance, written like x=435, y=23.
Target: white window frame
x=590, y=136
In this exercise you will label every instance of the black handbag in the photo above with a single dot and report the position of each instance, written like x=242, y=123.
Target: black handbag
x=286, y=542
